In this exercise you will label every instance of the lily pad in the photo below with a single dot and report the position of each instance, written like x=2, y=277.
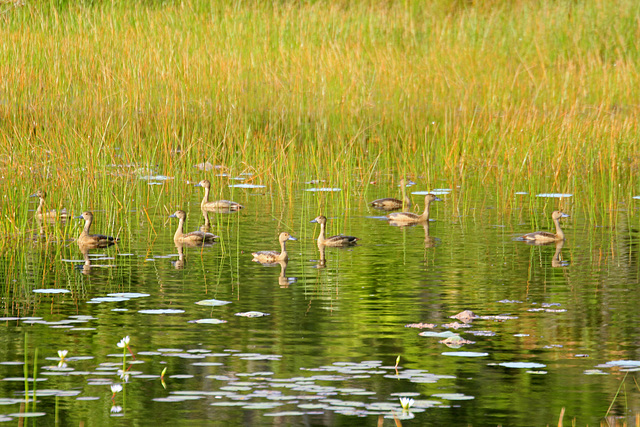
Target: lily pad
x=454, y=396
x=554, y=195
x=323, y=189
x=252, y=314
x=212, y=302
x=52, y=291
x=465, y=354
x=522, y=365
x=161, y=311
x=247, y=186
x=208, y=321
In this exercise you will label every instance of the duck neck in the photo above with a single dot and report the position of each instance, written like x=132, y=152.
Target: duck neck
x=321, y=236
x=283, y=251
x=179, y=232
x=425, y=215
x=559, y=232
x=205, y=199
x=40, y=206
x=87, y=226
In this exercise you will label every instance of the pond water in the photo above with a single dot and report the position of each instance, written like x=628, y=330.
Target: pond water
x=317, y=342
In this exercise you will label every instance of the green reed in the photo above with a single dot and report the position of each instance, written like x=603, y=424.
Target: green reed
x=487, y=98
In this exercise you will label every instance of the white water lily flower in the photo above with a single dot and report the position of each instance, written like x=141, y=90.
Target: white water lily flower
x=406, y=402
x=62, y=354
x=115, y=388
x=124, y=342
x=115, y=409
x=123, y=375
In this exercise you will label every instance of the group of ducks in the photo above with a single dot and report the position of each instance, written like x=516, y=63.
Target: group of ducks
x=88, y=240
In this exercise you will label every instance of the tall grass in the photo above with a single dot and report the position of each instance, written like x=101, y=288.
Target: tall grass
x=488, y=97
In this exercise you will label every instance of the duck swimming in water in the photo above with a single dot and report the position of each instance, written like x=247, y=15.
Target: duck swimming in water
x=407, y=218
x=339, y=240
x=545, y=236
x=195, y=237
x=218, y=204
x=41, y=214
x=272, y=257
x=390, y=204
x=93, y=240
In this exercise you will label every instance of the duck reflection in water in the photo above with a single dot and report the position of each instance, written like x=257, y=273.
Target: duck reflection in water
x=429, y=241
x=85, y=250
x=283, y=280
x=556, y=260
x=322, y=262
x=206, y=227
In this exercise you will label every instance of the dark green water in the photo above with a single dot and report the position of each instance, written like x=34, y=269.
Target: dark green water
x=325, y=353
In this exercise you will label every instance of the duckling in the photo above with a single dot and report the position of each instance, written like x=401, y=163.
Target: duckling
x=545, y=236
x=218, y=204
x=52, y=214
x=407, y=218
x=390, y=204
x=272, y=257
x=339, y=240
x=195, y=237
x=93, y=240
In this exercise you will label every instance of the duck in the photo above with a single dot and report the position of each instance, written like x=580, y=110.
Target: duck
x=52, y=214
x=273, y=257
x=545, y=236
x=195, y=237
x=339, y=240
x=407, y=218
x=391, y=204
x=218, y=204
x=93, y=240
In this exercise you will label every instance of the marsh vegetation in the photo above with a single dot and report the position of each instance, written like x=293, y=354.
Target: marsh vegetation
x=299, y=109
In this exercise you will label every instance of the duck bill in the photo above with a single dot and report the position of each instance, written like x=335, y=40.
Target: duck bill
x=314, y=220
x=34, y=195
x=564, y=215
x=78, y=217
x=292, y=238
x=173, y=216
x=198, y=185
x=438, y=199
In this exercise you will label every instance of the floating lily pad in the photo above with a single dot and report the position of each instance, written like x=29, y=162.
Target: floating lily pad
x=99, y=300
x=252, y=314
x=445, y=334
x=435, y=192
x=283, y=414
x=52, y=291
x=465, y=354
x=27, y=414
x=161, y=311
x=623, y=363
x=323, y=189
x=9, y=401
x=454, y=396
x=128, y=295
x=247, y=186
x=212, y=302
x=522, y=365
x=554, y=195
x=208, y=321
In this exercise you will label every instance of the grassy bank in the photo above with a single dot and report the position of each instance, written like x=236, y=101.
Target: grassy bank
x=494, y=97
